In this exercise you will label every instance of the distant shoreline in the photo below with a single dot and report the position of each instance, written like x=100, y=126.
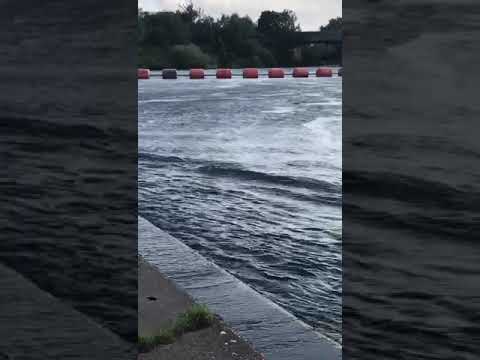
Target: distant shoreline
x=189, y=38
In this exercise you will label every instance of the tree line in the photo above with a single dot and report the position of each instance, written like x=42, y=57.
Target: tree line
x=187, y=38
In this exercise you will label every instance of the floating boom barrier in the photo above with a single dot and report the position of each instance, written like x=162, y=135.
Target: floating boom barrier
x=248, y=73
x=143, y=74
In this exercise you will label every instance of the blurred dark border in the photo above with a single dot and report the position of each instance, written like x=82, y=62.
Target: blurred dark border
x=68, y=128
x=411, y=187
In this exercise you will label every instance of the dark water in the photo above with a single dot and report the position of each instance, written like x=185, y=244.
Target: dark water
x=411, y=181
x=68, y=149
x=64, y=225
x=249, y=174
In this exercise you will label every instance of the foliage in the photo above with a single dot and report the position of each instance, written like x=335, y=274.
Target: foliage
x=146, y=343
x=196, y=318
x=187, y=38
x=276, y=30
x=188, y=56
x=274, y=26
x=333, y=25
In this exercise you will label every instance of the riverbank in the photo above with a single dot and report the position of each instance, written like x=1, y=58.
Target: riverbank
x=272, y=330
x=160, y=303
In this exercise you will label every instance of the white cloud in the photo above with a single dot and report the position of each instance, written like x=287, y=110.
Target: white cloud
x=311, y=13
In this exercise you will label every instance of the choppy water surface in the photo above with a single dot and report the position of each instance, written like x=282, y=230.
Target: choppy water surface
x=248, y=172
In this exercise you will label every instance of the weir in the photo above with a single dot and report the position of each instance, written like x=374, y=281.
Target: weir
x=268, y=327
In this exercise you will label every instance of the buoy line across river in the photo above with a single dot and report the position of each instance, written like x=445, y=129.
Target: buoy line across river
x=247, y=73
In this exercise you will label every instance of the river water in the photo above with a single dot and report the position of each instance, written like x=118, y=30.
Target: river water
x=248, y=173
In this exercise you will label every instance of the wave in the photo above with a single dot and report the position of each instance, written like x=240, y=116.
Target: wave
x=164, y=159
x=251, y=175
x=203, y=278
x=232, y=170
x=427, y=207
x=319, y=199
x=34, y=126
x=410, y=189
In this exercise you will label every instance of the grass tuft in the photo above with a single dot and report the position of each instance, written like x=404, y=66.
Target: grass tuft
x=196, y=318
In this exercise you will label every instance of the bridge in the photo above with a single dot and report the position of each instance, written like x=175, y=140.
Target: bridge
x=297, y=41
x=317, y=37
x=328, y=39
x=299, y=38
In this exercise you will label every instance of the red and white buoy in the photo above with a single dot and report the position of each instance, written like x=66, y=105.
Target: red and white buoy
x=276, y=73
x=250, y=73
x=300, y=73
x=197, y=74
x=224, y=73
x=324, y=72
x=143, y=74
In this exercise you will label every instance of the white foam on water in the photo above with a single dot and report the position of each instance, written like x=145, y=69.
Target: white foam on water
x=328, y=102
x=280, y=110
x=276, y=94
x=328, y=138
x=167, y=100
x=231, y=84
x=315, y=94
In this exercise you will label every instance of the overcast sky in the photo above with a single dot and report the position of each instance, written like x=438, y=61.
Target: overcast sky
x=311, y=13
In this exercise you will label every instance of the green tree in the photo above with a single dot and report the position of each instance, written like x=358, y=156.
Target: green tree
x=276, y=29
x=188, y=38
x=189, y=13
x=165, y=29
x=238, y=35
x=188, y=56
x=205, y=32
x=335, y=24
x=271, y=23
